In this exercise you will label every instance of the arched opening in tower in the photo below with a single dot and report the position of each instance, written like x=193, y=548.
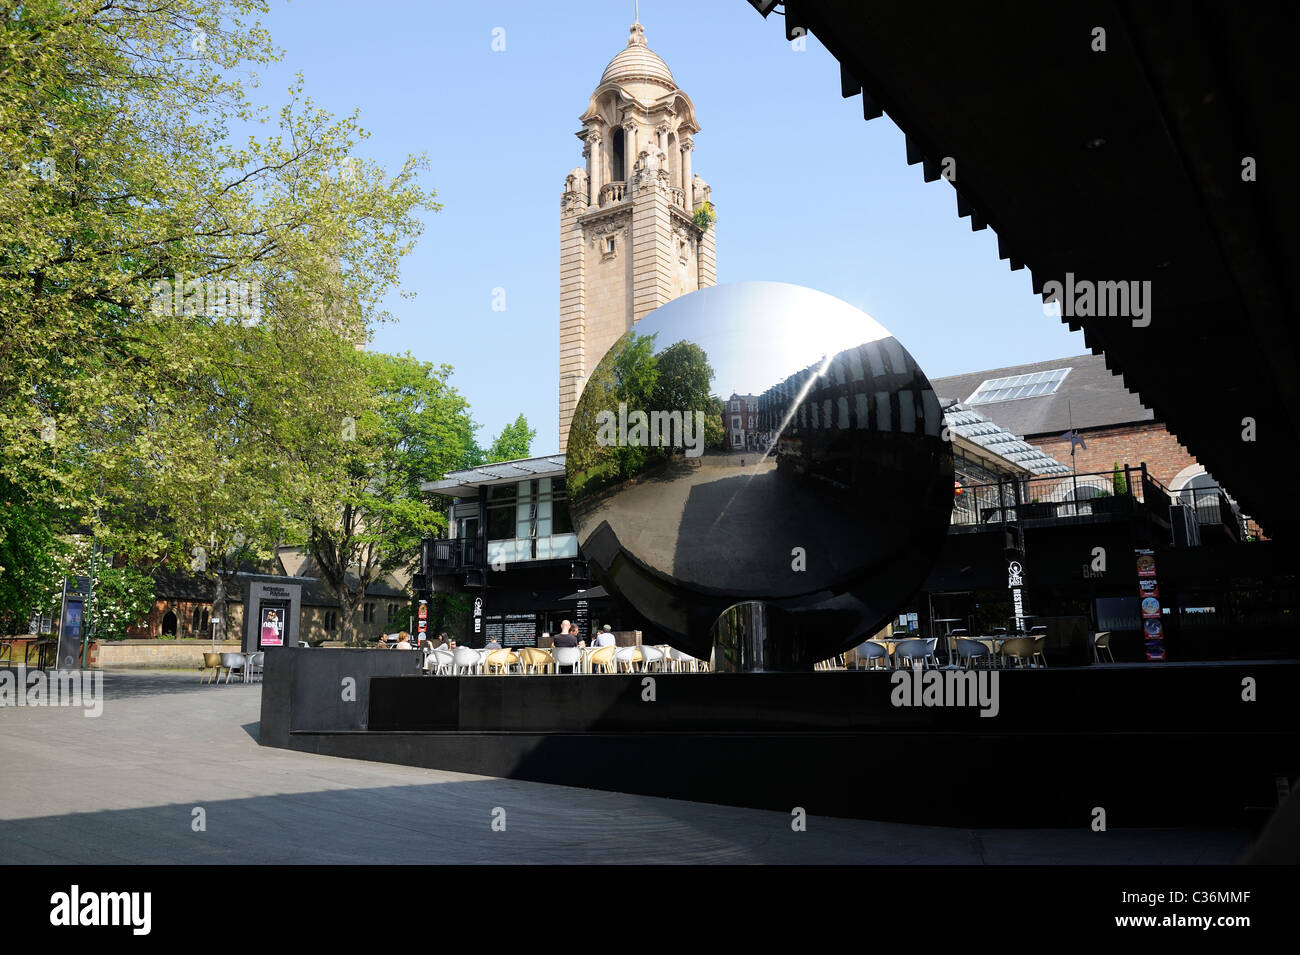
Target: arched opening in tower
x=620, y=169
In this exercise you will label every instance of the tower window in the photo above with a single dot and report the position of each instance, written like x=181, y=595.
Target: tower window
x=609, y=244
x=619, y=168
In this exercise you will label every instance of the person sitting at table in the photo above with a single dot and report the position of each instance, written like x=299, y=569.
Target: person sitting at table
x=403, y=641
x=441, y=641
x=567, y=637
x=605, y=638
x=383, y=641
x=493, y=644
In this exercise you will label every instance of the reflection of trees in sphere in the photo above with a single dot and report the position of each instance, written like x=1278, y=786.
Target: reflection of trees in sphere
x=830, y=525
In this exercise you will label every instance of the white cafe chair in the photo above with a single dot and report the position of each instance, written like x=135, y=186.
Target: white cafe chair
x=681, y=662
x=652, y=657
x=626, y=657
x=230, y=662
x=465, y=660
x=568, y=657
x=442, y=661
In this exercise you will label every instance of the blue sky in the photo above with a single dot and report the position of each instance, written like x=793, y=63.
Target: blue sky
x=805, y=191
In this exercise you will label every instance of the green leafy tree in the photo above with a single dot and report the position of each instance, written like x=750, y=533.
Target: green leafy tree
x=636, y=374
x=161, y=284
x=513, y=443
x=1118, y=481
x=683, y=383
x=27, y=561
x=362, y=507
x=121, y=595
x=715, y=434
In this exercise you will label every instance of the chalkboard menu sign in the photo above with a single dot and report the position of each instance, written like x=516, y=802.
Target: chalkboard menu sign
x=512, y=629
x=520, y=629
x=582, y=618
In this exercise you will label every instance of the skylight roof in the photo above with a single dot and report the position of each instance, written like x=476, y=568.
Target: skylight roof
x=1018, y=386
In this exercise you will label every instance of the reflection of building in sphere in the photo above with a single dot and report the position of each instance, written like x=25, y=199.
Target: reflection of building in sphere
x=829, y=522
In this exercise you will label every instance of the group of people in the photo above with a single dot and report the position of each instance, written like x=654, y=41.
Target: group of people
x=567, y=637
x=404, y=642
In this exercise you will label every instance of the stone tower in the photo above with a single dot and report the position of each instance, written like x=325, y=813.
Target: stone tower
x=628, y=238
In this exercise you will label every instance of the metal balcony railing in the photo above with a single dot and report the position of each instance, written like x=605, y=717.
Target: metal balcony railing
x=1059, y=496
x=450, y=556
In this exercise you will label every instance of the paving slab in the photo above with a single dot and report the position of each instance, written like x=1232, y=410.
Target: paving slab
x=124, y=788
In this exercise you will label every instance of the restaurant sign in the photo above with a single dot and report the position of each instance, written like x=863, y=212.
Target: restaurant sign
x=1016, y=583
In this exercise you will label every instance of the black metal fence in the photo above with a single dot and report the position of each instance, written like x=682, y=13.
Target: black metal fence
x=1128, y=490
x=1055, y=496
x=444, y=556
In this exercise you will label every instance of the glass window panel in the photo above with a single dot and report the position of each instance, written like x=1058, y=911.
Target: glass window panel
x=561, y=522
x=543, y=527
x=501, y=523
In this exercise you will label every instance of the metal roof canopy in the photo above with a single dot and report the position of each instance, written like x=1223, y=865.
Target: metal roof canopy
x=464, y=483
x=1122, y=165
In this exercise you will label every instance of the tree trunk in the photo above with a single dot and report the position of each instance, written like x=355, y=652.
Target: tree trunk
x=219, y=607
x=347, y=610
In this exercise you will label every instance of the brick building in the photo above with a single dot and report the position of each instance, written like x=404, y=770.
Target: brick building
x=740, y=421
x=1044, y=400
x=183, y=603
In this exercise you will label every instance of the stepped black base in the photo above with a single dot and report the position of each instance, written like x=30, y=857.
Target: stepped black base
x=1151, y=745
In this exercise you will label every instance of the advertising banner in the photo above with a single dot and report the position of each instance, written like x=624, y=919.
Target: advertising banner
x=1153, y=633
x=272, y=633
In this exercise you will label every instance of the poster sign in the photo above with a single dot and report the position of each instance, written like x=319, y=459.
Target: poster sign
x=423, y=625
x=478, y=616
x=1153, y=635
x=272, y=633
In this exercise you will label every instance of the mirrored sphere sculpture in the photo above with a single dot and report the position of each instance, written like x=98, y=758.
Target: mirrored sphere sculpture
x=759, y=443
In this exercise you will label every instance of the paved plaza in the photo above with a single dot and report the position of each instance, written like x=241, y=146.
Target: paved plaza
x=125, y=787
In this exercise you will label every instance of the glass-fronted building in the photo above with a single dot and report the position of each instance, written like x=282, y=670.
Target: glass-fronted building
x=511, y=548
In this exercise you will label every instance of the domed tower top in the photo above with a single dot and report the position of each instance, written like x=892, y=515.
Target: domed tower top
x=637, y=64
x=629, y=237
